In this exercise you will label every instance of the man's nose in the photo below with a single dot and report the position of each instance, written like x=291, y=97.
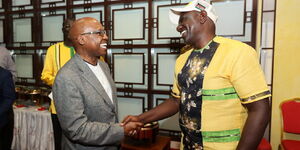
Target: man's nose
x=179, y=28
x=105, y=36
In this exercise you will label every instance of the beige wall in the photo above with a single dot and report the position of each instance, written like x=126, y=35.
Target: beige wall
x=286, y=76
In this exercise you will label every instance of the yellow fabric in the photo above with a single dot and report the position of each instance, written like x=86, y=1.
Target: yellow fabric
x=50, y=66
x=236, y=65
x=50, y=69
x=102, y=58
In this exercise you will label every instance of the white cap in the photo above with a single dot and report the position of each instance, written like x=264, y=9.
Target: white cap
x=195, y=5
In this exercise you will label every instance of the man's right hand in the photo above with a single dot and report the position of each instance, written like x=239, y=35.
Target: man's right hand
x=132, y=128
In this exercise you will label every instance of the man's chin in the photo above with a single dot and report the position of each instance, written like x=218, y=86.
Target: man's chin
x=102, y=49
x=103, y=53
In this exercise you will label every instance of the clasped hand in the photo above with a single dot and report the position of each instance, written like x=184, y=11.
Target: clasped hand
x=131, y=125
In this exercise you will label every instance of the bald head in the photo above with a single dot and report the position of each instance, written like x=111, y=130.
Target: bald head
x=82, y=25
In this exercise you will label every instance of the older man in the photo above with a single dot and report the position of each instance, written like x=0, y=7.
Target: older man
x=85, y=94
x=219, y=88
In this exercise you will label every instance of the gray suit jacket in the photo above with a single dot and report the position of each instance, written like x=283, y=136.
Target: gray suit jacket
x=87, y=116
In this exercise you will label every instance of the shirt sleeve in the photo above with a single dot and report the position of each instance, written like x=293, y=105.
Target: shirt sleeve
x=7, y=62
x=48, y=73
x=176, y=88
x=247, y=76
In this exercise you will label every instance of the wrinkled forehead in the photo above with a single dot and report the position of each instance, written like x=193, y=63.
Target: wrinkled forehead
x=94, y=26
x=84, y=25
x=87, y=25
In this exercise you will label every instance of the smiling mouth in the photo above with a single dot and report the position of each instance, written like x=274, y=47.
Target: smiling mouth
x=104, y=45
x=181, y=34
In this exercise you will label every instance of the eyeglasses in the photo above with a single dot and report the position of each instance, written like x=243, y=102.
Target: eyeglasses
x=100, y=32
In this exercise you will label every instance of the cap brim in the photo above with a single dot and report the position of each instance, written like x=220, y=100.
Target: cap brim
x=174, y=14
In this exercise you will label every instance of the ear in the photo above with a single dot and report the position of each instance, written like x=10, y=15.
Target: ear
x=203, y=16
x=81, y=40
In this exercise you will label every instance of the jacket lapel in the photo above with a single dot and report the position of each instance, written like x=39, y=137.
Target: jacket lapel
x=88, y=75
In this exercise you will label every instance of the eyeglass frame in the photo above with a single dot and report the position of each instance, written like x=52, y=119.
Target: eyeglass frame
x=100, y=32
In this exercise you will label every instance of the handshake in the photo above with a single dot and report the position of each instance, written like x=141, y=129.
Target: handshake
x=131, y=125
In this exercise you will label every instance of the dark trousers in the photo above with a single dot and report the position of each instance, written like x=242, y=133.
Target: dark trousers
x=6, y=133
x=57, y=131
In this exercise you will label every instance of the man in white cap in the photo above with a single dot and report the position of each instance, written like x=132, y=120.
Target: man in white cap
x=219, y=88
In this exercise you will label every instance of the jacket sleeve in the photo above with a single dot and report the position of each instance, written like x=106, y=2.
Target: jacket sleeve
x=9, y=94
x=48, y=73
x=75, y=124
x=12, y=67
